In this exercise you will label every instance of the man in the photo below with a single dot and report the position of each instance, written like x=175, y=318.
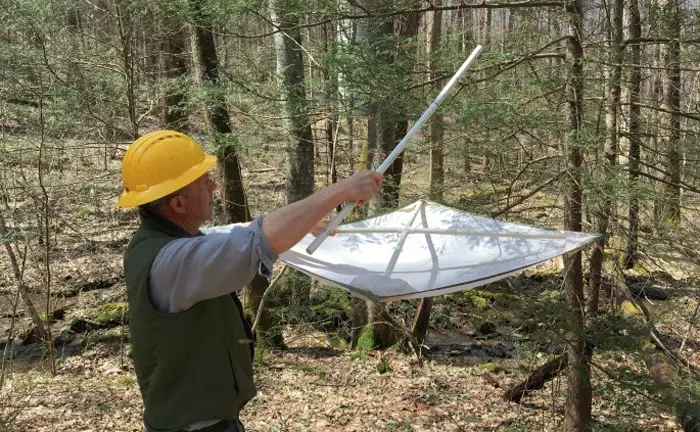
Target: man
x=191, y=346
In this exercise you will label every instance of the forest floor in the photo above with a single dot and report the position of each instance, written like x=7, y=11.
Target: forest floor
x=314, y=386
x=317, y=383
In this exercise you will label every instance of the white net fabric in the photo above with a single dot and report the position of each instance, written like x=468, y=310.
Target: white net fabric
x=443, y=251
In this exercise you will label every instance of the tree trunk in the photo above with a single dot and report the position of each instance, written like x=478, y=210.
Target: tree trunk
x=421, y=320
x=486, y=159
x=437, y=170
x=487, y=26
x=173, y=67
x=578, y=404
x=633, y=131
x=300, y=142
x=386, y=121
x=235, y=205
x=372, y=327
x=391, y=122
x=365, y=35
x=331, y=81
x=670, y=119
x=654, y=119
x=290, y=75
x=611, y=153
x=75, y=76
x=466, y=30
x=390, y=127
x=351, y=143
x=125, y=26
x=388, y=196
x=437, y=173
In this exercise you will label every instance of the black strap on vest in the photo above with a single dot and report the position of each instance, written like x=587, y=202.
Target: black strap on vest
x=247, y=325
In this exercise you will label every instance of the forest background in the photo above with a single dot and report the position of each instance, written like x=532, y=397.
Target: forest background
x=578, y=115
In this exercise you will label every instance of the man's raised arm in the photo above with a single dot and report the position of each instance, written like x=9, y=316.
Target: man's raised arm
x=285, y=227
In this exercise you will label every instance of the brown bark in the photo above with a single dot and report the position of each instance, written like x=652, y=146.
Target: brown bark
x=297, y=127
x=653, y=86
x=670, y=128
x=126, y=38
x=536, y=379
x=332, y=153
x=387, y=131
x=421, y=320
x=331, y=82
x=633, y=131
x=579, y=394
x=173, y=65
x=372, y=326
x=483, y=78
x=391, y=127
x=437, y=170
x=611, y=151
x=290, y=75
x=233, y=194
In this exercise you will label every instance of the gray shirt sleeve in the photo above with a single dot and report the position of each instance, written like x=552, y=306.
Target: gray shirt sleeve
x=224, y=260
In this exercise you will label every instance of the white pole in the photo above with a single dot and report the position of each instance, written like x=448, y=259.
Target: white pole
x=333, y=224
x=402, y=240
x=438, y=231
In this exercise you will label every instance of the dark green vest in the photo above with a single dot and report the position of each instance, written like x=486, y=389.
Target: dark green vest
x=193, y=365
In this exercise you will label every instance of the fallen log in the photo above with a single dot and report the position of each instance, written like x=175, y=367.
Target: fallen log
x=472, y=349
x=651, y=291
x=537, y=379
x=662, y=368
x=665, y=366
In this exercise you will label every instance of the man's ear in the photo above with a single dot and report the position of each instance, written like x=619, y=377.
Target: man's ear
x=177, y=204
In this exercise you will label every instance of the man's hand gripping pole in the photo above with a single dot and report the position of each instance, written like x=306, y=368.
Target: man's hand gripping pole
x=333, y=224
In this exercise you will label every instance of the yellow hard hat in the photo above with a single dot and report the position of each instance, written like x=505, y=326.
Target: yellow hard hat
x=160, y=163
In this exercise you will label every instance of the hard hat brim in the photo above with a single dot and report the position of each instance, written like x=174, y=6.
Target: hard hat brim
x=137, y=198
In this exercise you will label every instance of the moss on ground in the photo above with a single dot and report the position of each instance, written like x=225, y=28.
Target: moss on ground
x=111, y=313
x=494, y=368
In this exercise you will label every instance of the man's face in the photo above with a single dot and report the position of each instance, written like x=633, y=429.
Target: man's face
x=199, y=199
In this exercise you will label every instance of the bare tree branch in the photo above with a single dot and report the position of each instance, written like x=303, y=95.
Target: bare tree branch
x=666, y=182
x=392, y=13
x=656, y=108
x=528, y=195
x=658, y=41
